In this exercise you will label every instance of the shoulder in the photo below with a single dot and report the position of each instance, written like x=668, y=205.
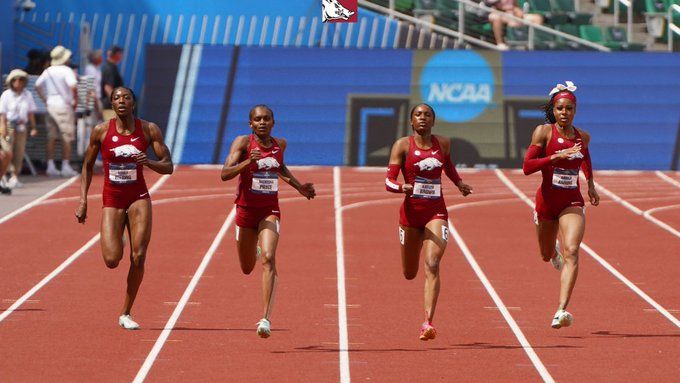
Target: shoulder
x=100, y=130
x=444, y=142
x=584, y=135
x=543, y=130
x=151, y=129
x=282, y=142
x=242, y=141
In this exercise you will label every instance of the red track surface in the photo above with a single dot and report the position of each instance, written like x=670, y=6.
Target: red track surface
x=68, y=330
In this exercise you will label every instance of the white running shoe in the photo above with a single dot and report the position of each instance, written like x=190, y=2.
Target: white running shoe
x=126, y=322
x=52, y=171
x=264, y=328
x=557, y=261
x=13, y=182
x=562, y=319
x=67, y=171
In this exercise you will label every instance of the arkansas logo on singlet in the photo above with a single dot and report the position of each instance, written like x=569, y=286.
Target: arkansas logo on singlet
x=267, y=181
x=125, y=151
x=429, y=164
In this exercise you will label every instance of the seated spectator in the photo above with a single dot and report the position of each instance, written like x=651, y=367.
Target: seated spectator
x=16, y=114
x=498, y=21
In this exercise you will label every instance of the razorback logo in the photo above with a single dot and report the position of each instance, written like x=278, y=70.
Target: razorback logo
x=332, y=10
x=125, y=151
x=268, y=163
x=429, y=164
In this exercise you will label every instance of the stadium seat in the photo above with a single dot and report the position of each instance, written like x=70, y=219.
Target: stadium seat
x=547, y=41
x=517, y=36
x=544, y=8
x=567, y=7
x=618, y=35
x=570, y=29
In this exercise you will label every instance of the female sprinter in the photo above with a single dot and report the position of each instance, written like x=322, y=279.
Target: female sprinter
x=558, y=150
x=423, y=219
x=123, y=142
x=258, y=161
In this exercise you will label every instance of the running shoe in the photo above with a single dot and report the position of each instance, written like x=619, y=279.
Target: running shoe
x=126, y=322
x=562, y=319
x=557, y=261
x=67, y=171
x=264, y=328
x=427, y=332
x=52, y=171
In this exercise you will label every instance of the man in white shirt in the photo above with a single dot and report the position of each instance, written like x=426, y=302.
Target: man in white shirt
x=57, y=88
x=93, y=69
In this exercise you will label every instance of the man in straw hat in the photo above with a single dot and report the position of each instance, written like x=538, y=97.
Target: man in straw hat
x=16, y=113
x=57, y=88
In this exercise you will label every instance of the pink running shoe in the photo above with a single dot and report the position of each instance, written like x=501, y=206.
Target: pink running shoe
x=427, y=332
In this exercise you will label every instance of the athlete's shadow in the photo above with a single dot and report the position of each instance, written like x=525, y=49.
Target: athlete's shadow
x=217, y=329
x=490, y=346
x=610, y=334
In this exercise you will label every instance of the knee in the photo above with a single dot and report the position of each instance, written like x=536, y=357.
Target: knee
x=112, y=263
x=410, y=275
x=570, y=251
x=432, y=267
x=138, y=257
x=268, y=260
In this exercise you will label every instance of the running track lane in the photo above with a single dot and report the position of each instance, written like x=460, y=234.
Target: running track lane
x=615, y=336
x=217, y=340
x=645, y=253
x=71, y=332
x=37, y=241
x=385, y=310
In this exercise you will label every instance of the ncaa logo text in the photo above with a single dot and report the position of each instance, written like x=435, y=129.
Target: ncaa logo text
x=339, y=11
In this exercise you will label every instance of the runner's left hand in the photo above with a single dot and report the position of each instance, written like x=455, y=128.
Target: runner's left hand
x=307, y=190
x=141, y=158
x=593, y=196
x=464, y=188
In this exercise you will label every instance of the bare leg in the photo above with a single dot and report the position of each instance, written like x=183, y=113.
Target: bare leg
x=66, y=150
x=246, y=245
x=434, y=244
x=547, y=235
x=411, y=240
x=112, y=227
x=268, y=240
x=50, y=148
x=139, y=216
x=572, y=226
x=497, y=27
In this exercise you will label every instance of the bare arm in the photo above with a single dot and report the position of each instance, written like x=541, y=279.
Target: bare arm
x=86, y=174
x=164, y=163
x=306, y=189
x=74, y=91
x=3, y=125
x=397, y=153
x=232, y=167
x=34, y=129
x=450, y=168
x=108, y=89
x=587, y=168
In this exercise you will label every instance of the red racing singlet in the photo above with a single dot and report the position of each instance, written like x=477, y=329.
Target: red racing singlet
x=562, y=176
x=423, y=169
x=258, y=186
x=121, y=173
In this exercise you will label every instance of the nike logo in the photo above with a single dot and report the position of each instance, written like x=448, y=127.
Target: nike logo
x=434, y=152
x=440, y=215
x=142, y=195
x=134, y=139
x=275, y=151
x=275, y=211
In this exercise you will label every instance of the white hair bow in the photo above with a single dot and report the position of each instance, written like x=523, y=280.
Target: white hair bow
x=559, y=87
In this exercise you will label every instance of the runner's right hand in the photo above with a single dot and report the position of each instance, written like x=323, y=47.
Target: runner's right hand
x=81, y=213
x=255, y=154
x=407, y=189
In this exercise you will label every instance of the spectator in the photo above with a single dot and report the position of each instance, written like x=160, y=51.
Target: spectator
x=56, y=86
x=497, y=21
x=38, y=61
x=16, y=112
x=93, y=69
x=111, y=79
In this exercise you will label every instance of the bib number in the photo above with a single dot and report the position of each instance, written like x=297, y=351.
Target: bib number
x=265, y=183
x=121, y=174
x=565, y=178
x=427, y=188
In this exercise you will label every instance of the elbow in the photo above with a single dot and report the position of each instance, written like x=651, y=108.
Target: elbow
x=526, y=171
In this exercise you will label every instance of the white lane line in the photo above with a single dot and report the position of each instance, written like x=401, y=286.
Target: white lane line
x=599, y=259
x=667, y=179
x=343, y=338
x=66, y=263
x=38, y=200
x=151, y=358
x=637, y=210
x=526, y=346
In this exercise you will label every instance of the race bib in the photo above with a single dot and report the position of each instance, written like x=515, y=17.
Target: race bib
x=565, y=178
x=125, y=173
x=265, y=183
x=427, y=188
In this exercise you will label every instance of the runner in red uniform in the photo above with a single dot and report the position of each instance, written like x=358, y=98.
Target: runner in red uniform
x=258, y=161
x=423, y=219
x=558, y=150
x=123, y=142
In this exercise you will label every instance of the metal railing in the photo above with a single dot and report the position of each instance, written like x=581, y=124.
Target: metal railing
x=672, y=28
x=465, y=6
x=629, y=12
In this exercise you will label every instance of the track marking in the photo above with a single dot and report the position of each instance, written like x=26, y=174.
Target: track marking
x=667, y=179
x=637, y=210
x=38, y=200
x=184, y=300
x=343, y=338
x=66, y=263
x=599, y=259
